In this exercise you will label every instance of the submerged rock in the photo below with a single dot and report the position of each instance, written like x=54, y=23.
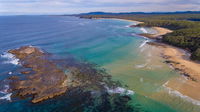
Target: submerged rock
x=47, y=80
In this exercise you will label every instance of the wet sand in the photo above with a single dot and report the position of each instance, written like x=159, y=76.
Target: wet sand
x=190, y=70
x=188, y=83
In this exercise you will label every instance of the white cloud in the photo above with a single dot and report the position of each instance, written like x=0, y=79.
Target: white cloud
x=78, y=6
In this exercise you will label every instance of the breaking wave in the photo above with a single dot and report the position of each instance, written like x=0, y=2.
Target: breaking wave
x=178, y=94
x=143, y=30
x=10, y=58
x=143, y=43
x=6, y=95
x=141, y=66
x=120, y=90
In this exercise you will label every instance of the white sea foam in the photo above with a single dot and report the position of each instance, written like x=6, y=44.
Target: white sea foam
x=128, y=26
x=11, y=59
x=6, y=97
x=178, y=94
x=5, y=89
x=7, y=55
x=143, y=30
x=120, y=90
x=134, y=34
x=141, y=66
x=143, y=43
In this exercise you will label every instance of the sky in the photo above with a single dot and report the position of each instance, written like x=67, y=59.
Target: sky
x=81, y=6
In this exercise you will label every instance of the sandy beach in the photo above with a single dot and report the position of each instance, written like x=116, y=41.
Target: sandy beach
x=137, y=22
x=188, y=83
x=160, y=32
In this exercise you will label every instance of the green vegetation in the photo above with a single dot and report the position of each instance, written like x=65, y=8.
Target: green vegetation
x=186, y=33
x=196, y=54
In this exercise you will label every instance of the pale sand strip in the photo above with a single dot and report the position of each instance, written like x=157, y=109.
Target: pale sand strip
x=189, y=84
x=137, y=22
x=160, y=32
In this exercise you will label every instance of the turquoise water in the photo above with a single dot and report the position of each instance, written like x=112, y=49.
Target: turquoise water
x=108, y=43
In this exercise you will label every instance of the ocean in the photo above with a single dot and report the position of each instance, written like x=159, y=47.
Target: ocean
x=109, y=43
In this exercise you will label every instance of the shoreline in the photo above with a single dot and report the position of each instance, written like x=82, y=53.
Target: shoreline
x=188, y=83
x=137, y=22
x=160, y=31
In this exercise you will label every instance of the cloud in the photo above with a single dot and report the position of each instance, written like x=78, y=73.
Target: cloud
x=79, y=6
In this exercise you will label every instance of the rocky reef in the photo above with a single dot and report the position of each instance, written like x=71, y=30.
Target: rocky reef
x=46, y=79
x=65, y=84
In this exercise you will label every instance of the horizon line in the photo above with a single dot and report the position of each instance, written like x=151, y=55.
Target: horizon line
x=144, y=12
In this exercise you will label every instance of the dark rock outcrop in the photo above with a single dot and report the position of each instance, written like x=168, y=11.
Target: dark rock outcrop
x=46, y=82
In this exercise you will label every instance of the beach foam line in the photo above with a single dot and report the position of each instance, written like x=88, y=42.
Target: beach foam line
x=143, y=30
x=6, y=97
x=178, y=94
x=141, y=66
x=127, y=26
x=120, y=90
x=11, y=59
x=143, y=43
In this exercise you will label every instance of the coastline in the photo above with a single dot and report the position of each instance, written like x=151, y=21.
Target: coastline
x=188, y=83
x=159, y=33
x=137, y=22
